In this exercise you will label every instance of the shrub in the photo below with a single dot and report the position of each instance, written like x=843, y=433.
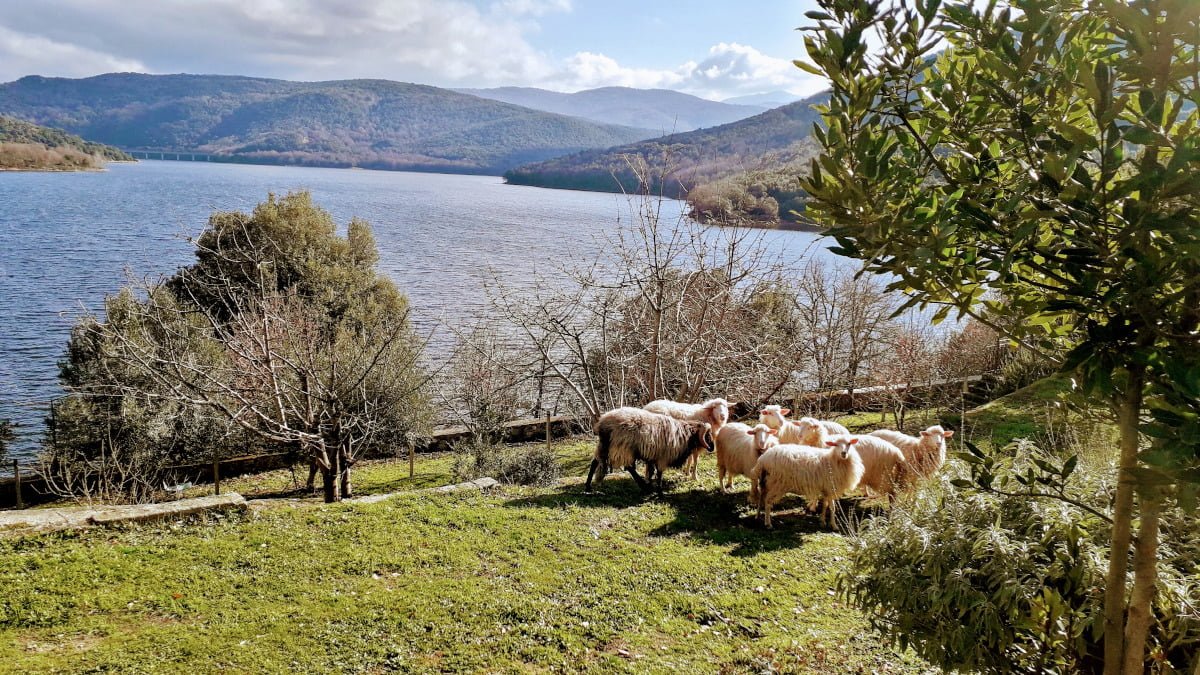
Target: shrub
x=531, y=464
x=1010, y=583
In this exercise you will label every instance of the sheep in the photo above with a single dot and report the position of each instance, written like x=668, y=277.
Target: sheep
x=627, y=435
x=820, y=475
x=885, y=470
x=924, y=455
x=738, y=449
x=798, y=433
x=714, y=411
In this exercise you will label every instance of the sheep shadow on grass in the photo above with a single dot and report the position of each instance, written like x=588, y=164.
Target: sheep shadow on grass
x=728, y=520
x=614, y=492
x=700, y=511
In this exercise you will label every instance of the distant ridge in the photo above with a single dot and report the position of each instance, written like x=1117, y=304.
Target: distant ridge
x=361, y=123
x=28, y=146
x=770, y=99
x=682, y=161
x=659, y=109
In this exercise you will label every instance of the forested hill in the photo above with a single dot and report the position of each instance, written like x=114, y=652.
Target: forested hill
x=363, y=123
x=28, y=146
x=743, y=164
x=662, y=109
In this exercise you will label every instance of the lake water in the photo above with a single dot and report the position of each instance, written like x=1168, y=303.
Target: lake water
x=67, y=239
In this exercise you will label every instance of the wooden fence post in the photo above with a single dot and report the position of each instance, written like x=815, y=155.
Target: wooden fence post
x=548, y=431
x=17, y=483
x=412, y=459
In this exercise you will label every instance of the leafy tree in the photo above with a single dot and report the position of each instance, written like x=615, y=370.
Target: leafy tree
x=1050, y=153
x=281, y=329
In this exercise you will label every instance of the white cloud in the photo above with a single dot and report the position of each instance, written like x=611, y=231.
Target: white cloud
x=22, y=54
x=439, y=42
x=435, y=41
x=729, y=69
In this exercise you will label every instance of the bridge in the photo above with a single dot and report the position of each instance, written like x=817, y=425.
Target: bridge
x=173, y=156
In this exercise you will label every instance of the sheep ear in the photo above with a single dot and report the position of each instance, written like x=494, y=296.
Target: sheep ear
x=832, y=444
x=947, y=434
x=750, y=432
x=773, y=432
x=785, y=411
x=853, y=441
x=924, y=433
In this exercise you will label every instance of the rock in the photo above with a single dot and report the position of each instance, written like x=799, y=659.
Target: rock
x=140, y=513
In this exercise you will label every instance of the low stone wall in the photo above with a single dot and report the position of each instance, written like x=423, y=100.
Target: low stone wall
x=35, y=491
x=74, y=517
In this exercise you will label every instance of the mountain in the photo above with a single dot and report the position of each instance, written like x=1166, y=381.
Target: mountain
x=660, y=109
x=28, y=146
x=770, y=99
x=363, y=123
x=746, y=169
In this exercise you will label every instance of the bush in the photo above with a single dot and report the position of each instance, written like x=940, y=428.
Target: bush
x=1011, y=583
x=532, y=464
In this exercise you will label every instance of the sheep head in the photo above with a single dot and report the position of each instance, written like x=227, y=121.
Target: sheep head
x=773, y=416
x=935, y=436
x=812, y=432
x=764, y=437
x=718, y=412
x=702, y=436
x=842, y=445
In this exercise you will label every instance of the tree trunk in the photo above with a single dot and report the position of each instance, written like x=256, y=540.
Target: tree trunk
x=1145, y=582
x=344, y=478
x=1118, y=555
x=330, y=479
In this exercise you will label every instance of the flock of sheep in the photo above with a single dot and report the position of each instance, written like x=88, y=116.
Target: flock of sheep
x=816, y=459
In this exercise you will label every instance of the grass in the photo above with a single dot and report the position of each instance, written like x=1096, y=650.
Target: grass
x=520, y=580
x=1043, y=409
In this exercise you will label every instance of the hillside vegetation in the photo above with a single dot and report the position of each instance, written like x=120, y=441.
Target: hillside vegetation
x=363, y=123
x=663, y=110
x=748, y=168
x=27, y=146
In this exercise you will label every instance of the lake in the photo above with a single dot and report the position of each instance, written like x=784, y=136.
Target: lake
x=67, y=240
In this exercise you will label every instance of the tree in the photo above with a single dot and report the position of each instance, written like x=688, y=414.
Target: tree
x=671, y=309
x=281, y=329
x=1050, y=153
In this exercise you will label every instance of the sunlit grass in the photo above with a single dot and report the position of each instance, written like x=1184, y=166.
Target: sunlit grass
x=523, y=579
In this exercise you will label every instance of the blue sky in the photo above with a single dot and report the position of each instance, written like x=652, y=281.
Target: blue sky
x=711, y=49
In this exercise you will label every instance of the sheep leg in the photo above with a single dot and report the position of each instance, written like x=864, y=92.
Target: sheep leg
x=766, y=510
x=588, y=486
x=638, y=479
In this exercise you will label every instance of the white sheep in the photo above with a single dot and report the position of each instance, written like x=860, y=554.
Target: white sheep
x=803, y=432
x=738, y=449
x=627, y=435
x=713, y=411
x=925, y=455
x=819, y=475
x=885, y=470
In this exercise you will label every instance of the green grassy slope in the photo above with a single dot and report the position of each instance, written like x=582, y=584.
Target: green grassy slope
x=366, y=123
x=517, y=581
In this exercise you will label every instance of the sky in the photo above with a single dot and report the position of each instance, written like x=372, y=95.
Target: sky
x=711, y=48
